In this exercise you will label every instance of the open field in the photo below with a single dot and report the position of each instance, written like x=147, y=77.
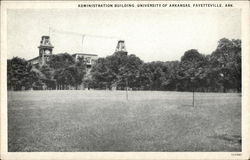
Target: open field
x=77, y=120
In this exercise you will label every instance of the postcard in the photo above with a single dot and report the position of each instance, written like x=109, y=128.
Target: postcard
x=125, y=80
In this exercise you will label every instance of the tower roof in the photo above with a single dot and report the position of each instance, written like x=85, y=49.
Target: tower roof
x=84, y=54
x=45, y=42
x=121, y=46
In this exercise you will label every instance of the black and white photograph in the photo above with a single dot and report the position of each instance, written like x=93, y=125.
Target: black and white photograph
x=124, y=77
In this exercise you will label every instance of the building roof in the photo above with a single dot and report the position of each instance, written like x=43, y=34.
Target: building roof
x=46, y=46
x=45, y=36
x=34, y=58
x=84, y=54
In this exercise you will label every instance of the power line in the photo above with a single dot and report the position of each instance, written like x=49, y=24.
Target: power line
x=83, y=34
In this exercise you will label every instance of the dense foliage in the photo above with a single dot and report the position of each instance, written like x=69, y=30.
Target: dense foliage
x=218, y=72
x=20, y=74
x=61, y=72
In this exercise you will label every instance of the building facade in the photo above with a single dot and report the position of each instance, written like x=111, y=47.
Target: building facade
x=45, y=51
x=89, y=59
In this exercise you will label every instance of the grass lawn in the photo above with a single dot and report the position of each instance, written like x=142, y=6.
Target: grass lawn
x=78, y=121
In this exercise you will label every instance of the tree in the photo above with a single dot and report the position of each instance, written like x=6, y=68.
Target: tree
x=145, y=76
x=128, y=75
x=60, y=61
x=220, y=71
x=153, y=75
x=118, y=69
x=102, y=74
x=81, y=71
x=227, y=61
x=19, y=74
x=117, y=65
x=47, y=71
x=192, y=69
x=38, y=83
x=67, y=72
x=171, y=76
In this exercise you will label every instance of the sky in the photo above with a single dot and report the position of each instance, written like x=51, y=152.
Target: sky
x=151, y=34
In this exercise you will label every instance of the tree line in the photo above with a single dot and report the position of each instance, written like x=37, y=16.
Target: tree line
x=219, y=71
x=60, y=72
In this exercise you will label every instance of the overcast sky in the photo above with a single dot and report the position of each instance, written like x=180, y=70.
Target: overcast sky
x=151, y=34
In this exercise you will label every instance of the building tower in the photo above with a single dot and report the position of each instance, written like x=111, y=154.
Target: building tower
x=121, y=47
x=45, y=49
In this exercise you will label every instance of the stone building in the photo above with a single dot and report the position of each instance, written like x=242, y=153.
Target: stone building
x=88, y=58
x=45, y=51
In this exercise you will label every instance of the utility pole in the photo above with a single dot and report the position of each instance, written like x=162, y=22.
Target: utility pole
x=83, y=36
x=127, y=88
x=192, y=80
x=49, y=31
x=193, y=96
